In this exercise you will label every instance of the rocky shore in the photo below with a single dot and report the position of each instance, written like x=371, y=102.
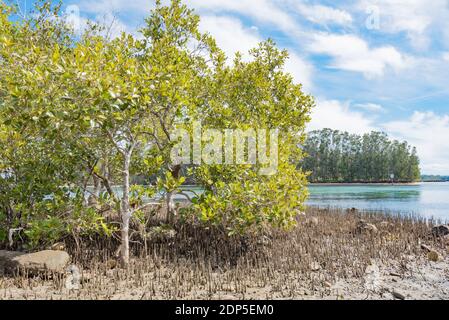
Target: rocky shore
x=331, y=254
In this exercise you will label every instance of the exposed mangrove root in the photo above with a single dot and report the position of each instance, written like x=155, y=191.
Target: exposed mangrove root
x=192, y=262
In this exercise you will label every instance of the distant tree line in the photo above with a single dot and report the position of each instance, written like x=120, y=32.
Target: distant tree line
x=335, y=156
x=434, y=178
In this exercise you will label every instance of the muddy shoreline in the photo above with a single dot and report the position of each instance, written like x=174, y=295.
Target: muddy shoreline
x=329, y=255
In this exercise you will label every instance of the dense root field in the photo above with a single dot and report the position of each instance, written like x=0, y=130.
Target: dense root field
x=325, y=257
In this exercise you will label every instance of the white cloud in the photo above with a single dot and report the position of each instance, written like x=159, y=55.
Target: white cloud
x=114, y=26
x=301, y=70
x=115, y=6
x=339, y=116
x=371, y=107
x=414, y=17
x=352, y=53
x=105, y=12
x=446, y=56
x=230, y=34
x=428, y=132
x=325, y=15
x=265, y=11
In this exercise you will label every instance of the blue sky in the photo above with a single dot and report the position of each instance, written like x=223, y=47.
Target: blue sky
x=371, y=64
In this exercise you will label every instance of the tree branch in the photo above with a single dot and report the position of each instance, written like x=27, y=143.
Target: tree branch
x=111, y=137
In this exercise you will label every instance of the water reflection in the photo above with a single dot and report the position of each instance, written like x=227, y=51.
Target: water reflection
x=426, y=199
x=430, y=200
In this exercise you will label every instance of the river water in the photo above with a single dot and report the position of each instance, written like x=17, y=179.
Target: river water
x=430, y=200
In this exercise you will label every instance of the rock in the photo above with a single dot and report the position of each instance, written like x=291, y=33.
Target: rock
x=440, y=231
x=8, y=255
x=433, y=256
x=264, y=241
x=73, y=280
x=38, y=262
x=426, y=248
x=161, y=234
x=111, y=264
x=59, y=246
x=92, y=201
x=5, y=257
x=386, y=225
x=398, y=295
x=315, y=266
x=372, y=228
x=305, y=292
x=313, y=221
x=372, y=278
x=395, y=274
x=364, y=227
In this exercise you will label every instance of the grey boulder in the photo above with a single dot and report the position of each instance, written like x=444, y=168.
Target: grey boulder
x=38, y=262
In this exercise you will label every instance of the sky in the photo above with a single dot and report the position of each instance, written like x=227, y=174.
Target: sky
x=371, y=64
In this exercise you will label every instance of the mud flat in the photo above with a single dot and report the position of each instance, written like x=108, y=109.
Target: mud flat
x=331, y=254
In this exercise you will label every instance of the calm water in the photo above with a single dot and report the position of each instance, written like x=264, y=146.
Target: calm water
x=426, y=199
x=430, y=200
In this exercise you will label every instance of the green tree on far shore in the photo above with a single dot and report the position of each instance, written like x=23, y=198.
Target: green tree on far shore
x=335, y=156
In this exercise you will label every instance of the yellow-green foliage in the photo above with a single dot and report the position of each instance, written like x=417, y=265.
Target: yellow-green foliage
x=71, y=106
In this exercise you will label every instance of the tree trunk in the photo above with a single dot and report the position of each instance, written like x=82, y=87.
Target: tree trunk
x=125, y=212
x=97, y=186
x=170, y=207
x=170, y=203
